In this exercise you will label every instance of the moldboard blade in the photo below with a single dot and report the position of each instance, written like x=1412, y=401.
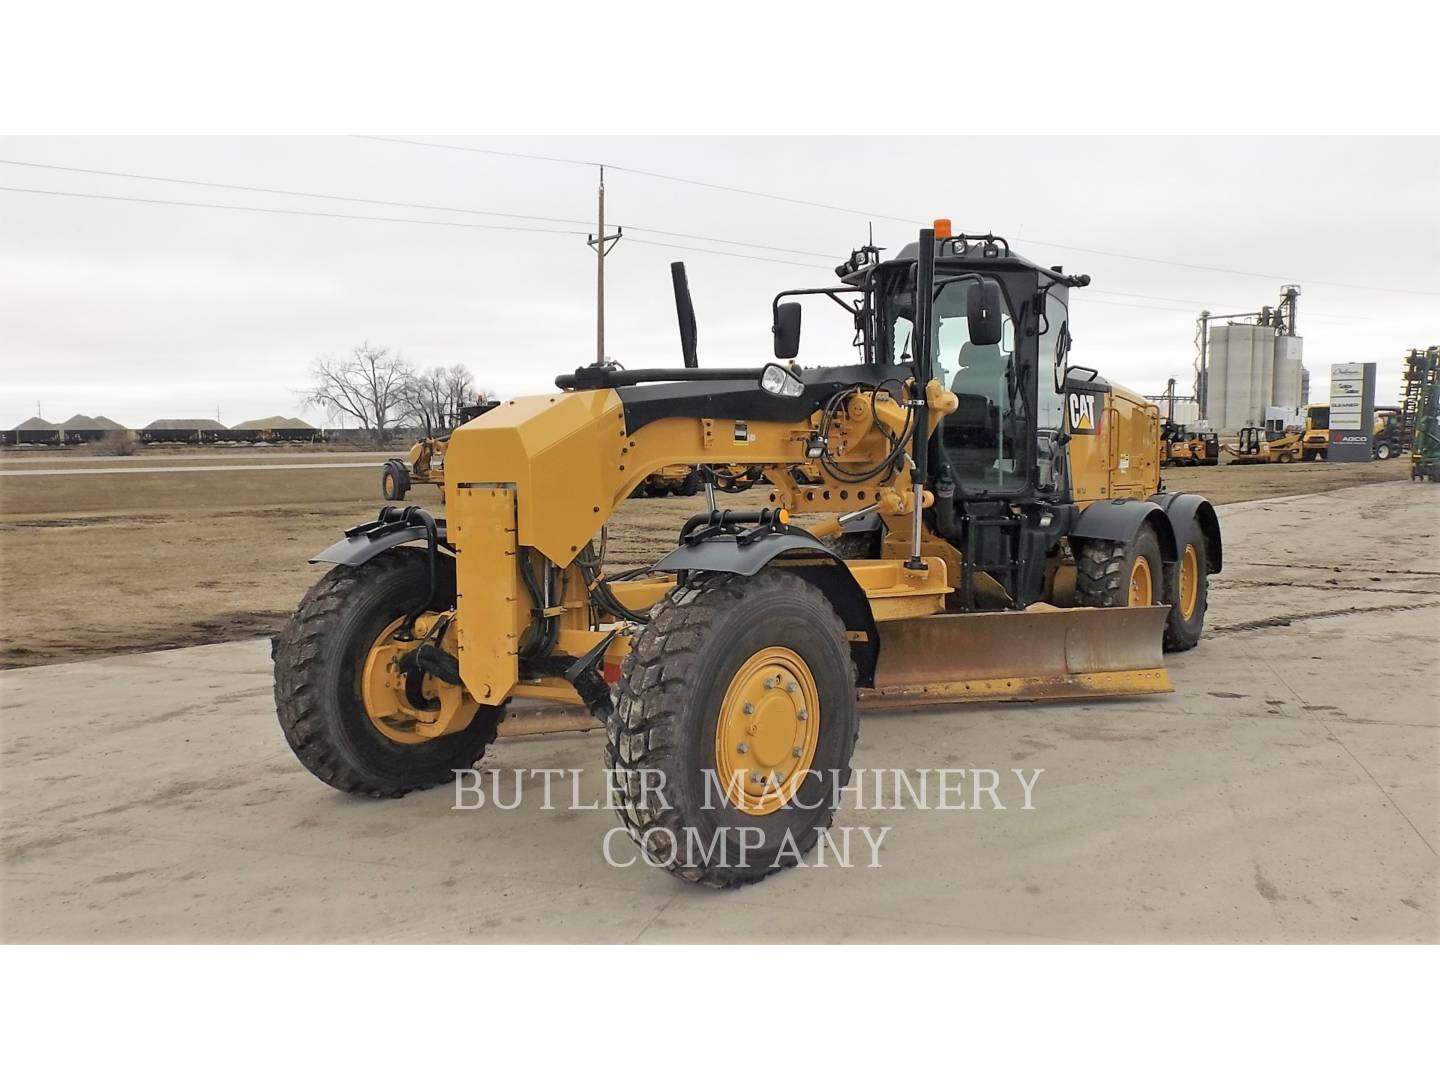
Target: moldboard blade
x=1037, y=654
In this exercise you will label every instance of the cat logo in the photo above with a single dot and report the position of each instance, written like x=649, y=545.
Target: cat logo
x=1084, y=417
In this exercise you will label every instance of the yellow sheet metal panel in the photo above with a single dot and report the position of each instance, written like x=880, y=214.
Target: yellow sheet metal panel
x=1114, y=446
x=1135, y=445
x=1086, y=421
x=563, y=452
x=490, y=611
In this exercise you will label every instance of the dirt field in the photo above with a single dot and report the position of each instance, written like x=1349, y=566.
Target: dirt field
x=94, y=564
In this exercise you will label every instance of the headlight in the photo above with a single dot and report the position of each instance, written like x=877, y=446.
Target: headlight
x=778, y=381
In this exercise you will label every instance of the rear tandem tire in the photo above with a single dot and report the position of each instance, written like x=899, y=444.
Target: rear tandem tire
x=319, y=657
x=1104, y=569
x=663, y=733
x=1187, y=589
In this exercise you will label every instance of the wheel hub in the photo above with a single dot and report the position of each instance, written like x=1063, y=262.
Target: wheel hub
x=405, y=705
x=1142, y=590
x=767, y=731
x=1189, y=582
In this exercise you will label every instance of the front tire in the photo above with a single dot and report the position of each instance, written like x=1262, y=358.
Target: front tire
x=319, y=660
x=733, y=679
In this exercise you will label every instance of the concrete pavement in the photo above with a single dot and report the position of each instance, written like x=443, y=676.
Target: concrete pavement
x=1288, y=792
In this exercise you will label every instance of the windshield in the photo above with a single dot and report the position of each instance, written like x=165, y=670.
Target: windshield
x=985, y=439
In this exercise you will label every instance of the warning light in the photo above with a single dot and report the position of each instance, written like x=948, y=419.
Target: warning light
x=942, y=228
x=784, y=516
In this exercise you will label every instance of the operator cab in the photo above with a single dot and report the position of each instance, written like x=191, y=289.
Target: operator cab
x=1007, y=436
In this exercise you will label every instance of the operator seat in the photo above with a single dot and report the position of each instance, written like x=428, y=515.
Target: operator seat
x=970, y=435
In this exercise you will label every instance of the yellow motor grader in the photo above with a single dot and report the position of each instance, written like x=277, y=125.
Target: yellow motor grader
x=959, y=515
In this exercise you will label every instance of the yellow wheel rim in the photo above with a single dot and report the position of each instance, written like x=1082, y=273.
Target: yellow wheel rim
x=388, y=706
x=1189, y=582
x=767, y=731
x=1142, y=588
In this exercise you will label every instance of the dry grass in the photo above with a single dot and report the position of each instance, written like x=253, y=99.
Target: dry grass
x=92, y=565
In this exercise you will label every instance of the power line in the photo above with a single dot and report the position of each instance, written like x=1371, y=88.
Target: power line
x=391, y=202
x=290, y=213
x=521, y=228
x=396, y=220
x=286, y=192
x=1225, y=270
x=1209, y=303
x=642, y=172
x=728, y=254
x=888, y=217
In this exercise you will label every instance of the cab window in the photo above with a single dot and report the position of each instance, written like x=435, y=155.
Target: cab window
x=984, y=440
x=1049, y=397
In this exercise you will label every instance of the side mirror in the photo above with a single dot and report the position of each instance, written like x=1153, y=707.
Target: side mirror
x=984, y=309
x=787, y=331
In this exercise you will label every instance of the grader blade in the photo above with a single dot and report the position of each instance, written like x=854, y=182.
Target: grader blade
x=1038, y=654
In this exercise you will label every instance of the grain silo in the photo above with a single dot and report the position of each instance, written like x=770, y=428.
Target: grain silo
x=1241, y=371
x=1286, y=390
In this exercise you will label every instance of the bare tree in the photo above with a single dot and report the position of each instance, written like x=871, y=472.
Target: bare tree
x=367, y=386
x=432, y=398
x=423, y=400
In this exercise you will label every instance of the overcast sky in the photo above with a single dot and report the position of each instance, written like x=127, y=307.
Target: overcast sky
x=142, y=311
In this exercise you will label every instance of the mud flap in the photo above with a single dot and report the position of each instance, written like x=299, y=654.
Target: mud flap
x=1037, y=654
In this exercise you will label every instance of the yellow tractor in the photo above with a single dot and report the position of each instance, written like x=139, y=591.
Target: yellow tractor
x=988, y=524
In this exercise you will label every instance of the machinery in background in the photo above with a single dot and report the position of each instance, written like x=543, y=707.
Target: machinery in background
x=425, y=464
x=1254, y=446
x=1204, y=448
x=671, y=480
x=1315, y=440
x=1422, y=407
x=1388, y=437
x=1388, y=440
x=1421, y=366
x=1179, y=445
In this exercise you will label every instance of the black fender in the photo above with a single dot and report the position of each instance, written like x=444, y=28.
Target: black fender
x=796, y=552
x=363, y=542
x=1120, y=519
x=1193, y=511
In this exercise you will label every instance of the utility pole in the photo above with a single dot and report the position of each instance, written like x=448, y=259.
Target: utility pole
x=602, y=245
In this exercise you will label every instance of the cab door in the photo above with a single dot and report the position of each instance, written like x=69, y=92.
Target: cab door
x=1088, y=423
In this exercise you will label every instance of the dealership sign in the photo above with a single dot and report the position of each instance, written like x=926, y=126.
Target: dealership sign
x=1347, y=397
